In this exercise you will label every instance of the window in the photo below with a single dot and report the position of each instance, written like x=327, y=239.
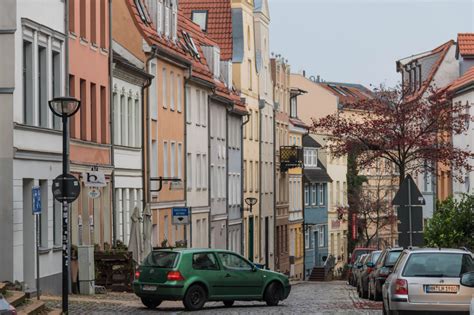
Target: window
x=189, y=172
x=83, y=18
x=164, y=92
x=179, y=90
x=205, y=261
x=93, y=102
x=165, y=159
x=167, y=21
x=321, y=236
x=306, y=195
x=234, y=262
x=137, y=124
x=213, y=182
x=83, y=110
x=43, y=184
x=250, y=74
x=204, y=108
x=200, y=18
x=314, y=197
x=173, y=159
x=172, y=90
x=123, y=114
x=450, y=265
x=43, y=109
x=93, y=18
x=249, y=38
x=321, y=194
x=198, y=107
x=204, y=171
x=189, y=116
x=165, y=228
x=160, y=17
x=56, y=81
x=467, y=183
x=103, y=23
x=180, y=160
x=293, y=106
x=72, y=16
x=28, y=80
x=198, y=171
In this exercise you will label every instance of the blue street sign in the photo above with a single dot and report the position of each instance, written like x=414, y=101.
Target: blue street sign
x=36, y=200
x=180, y=215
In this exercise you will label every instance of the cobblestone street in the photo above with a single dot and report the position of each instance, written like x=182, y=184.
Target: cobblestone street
x=306, y=298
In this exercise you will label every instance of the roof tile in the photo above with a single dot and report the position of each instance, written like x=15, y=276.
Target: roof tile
x=466, y=44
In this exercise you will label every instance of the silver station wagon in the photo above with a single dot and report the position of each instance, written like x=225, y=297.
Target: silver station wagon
x=428, y=280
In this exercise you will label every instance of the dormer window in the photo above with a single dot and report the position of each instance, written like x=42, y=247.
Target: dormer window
x=310, y=158
x=293, y=111
x=142, y=12
x=200, y=18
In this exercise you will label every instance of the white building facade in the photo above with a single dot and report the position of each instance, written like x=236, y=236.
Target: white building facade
x=32, y=46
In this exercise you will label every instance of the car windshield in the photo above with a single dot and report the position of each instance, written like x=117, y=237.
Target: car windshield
x=438, y=265
x=161, y=259
x=375, y=256
x=392, y=258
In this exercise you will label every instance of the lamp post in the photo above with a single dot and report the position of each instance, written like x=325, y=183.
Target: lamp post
x=251, y=201
x=65, y=107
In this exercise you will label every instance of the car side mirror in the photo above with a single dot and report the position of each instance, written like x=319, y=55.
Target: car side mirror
x=467, y=279
x=254, y=268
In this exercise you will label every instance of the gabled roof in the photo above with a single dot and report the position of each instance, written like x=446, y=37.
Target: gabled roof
x=467, y=79
x=440, y=52
x=298, y=123
x=348, y=93
x=310, y=142
x=465, y=45
x=317, y=175
x=219, y=21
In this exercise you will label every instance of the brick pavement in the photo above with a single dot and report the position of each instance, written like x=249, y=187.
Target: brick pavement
x=334, y=297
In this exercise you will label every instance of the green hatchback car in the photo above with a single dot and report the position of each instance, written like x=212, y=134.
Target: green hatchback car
x=196, y=276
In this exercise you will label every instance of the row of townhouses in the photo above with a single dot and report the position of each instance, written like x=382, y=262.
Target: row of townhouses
x=182, y=106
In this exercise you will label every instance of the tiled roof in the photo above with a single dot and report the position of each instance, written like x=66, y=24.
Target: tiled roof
x=466, y=44
x=298, y=123
x=317, y=175
x=441, y=52
x=219, y=21
x=347, y=93
x=466, y=79
x=200, y=68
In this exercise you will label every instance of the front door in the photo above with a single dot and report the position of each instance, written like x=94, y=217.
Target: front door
x=316, y=251
x=238, y=278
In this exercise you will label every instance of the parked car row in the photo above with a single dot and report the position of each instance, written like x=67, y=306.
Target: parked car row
x=419, y=279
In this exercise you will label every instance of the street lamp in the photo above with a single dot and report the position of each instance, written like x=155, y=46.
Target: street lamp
x=65, y=107
x=251, y=201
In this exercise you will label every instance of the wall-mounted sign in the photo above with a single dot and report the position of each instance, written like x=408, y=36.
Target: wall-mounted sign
x=93, y=192
x=180, y=216
x=36, y=200
x=94, y=179
x=290, y=157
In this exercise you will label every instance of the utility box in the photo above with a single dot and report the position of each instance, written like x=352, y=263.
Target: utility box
x=85, y=255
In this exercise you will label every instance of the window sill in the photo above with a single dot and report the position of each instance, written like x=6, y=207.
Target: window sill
x=44, y=250
x=57, y=248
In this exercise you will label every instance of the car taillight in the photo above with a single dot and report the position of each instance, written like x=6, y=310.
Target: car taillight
x=137, y=274
x=401, y=287
x=175, y=276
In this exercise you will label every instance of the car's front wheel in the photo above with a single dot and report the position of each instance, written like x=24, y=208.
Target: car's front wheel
x=273, y=294
x=151, y=303
x=195, y=298
x=228, y=303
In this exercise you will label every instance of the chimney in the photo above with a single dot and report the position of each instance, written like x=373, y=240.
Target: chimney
x=318, y=78
x=304, y=73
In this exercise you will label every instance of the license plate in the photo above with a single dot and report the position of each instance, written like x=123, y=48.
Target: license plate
x=149, y=288
x=442, y=288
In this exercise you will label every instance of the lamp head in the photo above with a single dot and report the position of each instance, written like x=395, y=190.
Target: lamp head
x=64, y=106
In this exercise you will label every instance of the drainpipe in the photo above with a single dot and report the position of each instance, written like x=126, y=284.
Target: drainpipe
x=185, y=158
x=274, y=186
x=260, y=193
x=242, y=207
x=111, y=124
x=227, y=174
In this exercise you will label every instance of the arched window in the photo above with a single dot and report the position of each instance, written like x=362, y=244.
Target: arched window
x=249, y=38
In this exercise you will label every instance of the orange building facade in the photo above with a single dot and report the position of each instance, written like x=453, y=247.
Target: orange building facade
x=92, y=219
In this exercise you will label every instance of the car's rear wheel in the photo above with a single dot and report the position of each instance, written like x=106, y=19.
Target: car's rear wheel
x=377, y=295
x=273, y=294
x=228, y=303
x=369, y=292
x=195, y=298
x=151, y=303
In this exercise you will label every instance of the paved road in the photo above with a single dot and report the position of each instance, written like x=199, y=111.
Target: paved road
x=306, y=298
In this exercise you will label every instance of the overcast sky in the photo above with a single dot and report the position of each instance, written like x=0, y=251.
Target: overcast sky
x=358, y=41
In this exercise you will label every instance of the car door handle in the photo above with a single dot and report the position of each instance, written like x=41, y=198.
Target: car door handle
x=227, y=276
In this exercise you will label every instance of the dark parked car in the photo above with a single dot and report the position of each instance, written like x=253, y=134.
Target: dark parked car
x=383, y=268
x=366, y=270
x=357, y=268
x=356, y=253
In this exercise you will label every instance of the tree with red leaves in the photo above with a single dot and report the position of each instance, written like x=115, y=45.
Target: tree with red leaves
x=412, y=133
